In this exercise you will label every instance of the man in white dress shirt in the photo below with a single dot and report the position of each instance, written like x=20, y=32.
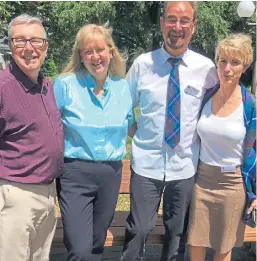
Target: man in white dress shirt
x=158, y=169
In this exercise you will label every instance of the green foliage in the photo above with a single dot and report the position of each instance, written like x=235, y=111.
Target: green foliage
x=5, y=14
x=129, y=140
x=67, y=18
x=49, y=68
x=211, y=27
x=135, y=24
x=216, y=20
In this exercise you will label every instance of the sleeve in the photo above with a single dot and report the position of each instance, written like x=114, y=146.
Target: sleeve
x=2, y=118
x=252, y=154
x=59, y=87
x=211, y=79
x=132, y=79
x=249, y=166
x=131, y=117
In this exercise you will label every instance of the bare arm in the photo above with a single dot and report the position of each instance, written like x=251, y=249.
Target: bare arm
x=132, y=130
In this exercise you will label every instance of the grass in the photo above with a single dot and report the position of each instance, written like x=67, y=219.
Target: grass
x=129, y=140
x=123, y=203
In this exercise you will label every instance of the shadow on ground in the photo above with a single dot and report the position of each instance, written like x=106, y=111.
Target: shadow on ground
x=153, y=254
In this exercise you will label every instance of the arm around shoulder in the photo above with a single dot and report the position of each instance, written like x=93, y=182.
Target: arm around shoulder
x=211, y=79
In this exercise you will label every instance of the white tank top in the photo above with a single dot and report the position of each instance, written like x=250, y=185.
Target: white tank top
x=221, y=137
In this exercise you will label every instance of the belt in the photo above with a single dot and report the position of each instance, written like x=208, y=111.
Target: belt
x=67, y=160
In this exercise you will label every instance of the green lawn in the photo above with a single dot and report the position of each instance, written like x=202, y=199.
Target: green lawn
x=129, y=140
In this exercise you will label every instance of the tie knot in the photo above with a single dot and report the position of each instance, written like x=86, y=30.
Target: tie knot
x=174, y=61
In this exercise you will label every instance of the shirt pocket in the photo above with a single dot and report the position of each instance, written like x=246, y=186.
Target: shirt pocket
x=193, y=94
x=7, y=196
x=191, y=99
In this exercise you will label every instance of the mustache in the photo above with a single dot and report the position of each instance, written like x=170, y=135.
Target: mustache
x=172, y=33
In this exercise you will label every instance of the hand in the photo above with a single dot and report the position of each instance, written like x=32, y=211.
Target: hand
x=252, y=206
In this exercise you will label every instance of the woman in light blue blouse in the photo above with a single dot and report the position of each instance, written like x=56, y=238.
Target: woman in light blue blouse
x=96, y=108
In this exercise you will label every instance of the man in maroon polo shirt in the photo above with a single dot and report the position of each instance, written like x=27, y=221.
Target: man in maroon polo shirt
x=31, y=147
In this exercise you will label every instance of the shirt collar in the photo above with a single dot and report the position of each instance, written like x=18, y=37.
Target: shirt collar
x=92, y=84
x=165, y=56
x=26, y=83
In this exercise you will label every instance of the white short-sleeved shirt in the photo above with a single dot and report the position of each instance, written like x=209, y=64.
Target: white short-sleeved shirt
x=148, y=81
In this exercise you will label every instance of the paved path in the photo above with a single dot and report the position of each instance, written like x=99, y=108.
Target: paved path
x=153, y=254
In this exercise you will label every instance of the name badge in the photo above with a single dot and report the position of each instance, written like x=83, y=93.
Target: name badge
x=229, y=168
x=192, y=91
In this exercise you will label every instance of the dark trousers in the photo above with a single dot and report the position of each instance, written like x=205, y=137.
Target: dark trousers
x=88, y=193
x=145, y=197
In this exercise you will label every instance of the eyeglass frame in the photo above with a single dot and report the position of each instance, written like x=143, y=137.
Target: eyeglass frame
x=176, y=20
x=29, y=40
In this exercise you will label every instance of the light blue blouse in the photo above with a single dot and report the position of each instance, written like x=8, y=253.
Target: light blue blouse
x=94, y=129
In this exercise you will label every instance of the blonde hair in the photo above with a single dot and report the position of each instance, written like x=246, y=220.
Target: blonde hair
x=238, y=46
x=85, y=35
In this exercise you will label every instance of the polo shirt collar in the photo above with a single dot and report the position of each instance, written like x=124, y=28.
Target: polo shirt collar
x=165, y=56
x=92, y=84
x=26, y=83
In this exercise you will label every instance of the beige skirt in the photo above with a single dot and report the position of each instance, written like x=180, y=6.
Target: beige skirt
x=216, y=209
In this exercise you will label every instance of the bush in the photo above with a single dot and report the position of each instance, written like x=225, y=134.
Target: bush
x=49, y=68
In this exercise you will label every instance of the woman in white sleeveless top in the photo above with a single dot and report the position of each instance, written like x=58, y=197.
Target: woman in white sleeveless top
x=227, y=128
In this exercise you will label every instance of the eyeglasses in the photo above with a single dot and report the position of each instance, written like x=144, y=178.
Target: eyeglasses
x=174, y=21
x=36, y=43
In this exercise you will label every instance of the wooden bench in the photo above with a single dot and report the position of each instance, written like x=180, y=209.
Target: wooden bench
x=115, y=235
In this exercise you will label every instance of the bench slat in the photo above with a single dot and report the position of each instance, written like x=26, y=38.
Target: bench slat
x=116, y=233
x=250, y=234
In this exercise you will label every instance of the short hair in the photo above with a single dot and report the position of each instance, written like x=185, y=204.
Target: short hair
x=89, y=33
x=25, y=19
x=193, y=4
x=238, y=46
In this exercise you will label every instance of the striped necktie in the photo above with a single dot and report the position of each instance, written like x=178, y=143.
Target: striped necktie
x=172, y=123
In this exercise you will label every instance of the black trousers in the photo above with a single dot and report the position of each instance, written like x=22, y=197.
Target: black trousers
x=145, y=200
x=88, y=193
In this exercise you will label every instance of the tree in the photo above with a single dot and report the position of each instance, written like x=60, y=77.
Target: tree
x=66, y=19
x=6, y=10
x=49, y=67
x=135, y=24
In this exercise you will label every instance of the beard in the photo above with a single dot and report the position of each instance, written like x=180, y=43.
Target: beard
x=175, y=42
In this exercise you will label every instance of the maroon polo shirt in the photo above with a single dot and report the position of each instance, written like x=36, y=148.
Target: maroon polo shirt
x=31, y=134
